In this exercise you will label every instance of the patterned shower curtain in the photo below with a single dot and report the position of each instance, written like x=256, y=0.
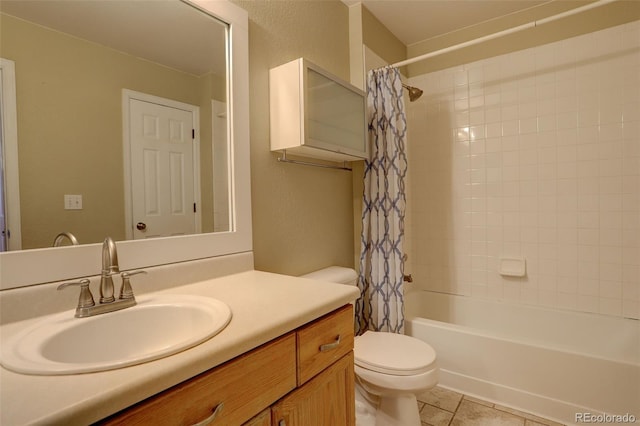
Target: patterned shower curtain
x=381, y=303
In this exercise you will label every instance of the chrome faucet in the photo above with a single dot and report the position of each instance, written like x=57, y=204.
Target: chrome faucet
x=109, y=268
x=108, y=303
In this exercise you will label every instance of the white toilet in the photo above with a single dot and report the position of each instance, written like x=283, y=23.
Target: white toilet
x=391, y=369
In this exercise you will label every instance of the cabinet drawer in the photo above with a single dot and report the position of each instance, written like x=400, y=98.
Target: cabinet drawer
x=323, y=342
x=245, y=386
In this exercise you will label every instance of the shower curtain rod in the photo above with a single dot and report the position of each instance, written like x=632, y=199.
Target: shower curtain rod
x=528, y=25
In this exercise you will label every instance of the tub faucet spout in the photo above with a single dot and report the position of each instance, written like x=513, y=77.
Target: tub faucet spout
x=109, y=268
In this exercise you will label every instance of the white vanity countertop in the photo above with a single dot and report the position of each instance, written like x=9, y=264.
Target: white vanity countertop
x=264, y=306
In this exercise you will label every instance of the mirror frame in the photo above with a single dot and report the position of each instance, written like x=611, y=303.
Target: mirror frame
x=37, y=266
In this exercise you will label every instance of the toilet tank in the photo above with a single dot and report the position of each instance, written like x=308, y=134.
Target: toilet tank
x=334, y=274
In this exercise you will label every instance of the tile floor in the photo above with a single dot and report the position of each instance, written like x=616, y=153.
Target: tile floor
x=442, y=407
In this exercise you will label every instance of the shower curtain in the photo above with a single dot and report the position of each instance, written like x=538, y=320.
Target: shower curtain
x=381, y=303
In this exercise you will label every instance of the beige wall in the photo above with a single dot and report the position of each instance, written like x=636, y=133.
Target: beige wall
x=302, y=216
x=596, y=19
x=379, y=39
x=69, y=97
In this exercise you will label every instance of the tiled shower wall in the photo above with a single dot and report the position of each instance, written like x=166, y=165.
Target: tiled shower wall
x=532, y=154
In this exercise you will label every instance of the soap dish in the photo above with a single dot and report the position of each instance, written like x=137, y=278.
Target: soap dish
x=513, y=266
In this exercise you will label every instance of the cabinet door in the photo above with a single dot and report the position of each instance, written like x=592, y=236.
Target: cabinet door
x=326, y=400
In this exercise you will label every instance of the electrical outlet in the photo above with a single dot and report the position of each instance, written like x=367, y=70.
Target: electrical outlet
x=73, y=202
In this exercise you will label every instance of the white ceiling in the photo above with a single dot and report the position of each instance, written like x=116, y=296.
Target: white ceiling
x=417, y=20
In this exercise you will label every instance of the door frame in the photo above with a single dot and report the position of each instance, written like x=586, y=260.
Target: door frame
x=127, y=96
x=9, y=146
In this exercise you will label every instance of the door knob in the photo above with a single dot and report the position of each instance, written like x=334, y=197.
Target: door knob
x=141, y=226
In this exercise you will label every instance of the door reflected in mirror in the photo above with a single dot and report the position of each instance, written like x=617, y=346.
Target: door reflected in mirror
x=90, y=166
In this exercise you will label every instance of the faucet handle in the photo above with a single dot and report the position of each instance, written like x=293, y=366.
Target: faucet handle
x=126, y=292
x=86, y=298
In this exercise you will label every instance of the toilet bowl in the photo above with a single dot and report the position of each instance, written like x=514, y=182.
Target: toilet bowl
x=393, y=369
x=390, y=369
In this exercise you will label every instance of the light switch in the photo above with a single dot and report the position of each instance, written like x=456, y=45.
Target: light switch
x=73, y=202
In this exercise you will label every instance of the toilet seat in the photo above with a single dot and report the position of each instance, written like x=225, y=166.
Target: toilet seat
x=394, y=354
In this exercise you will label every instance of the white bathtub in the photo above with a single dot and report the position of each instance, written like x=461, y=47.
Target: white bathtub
x=548, y=362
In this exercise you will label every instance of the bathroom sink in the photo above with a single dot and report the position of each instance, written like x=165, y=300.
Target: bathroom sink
x=158, y=326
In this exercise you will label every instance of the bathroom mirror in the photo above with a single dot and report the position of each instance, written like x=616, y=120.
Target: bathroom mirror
x=217, y=88
x=71, y=69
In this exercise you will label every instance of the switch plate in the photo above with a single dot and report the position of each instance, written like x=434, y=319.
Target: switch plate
x=73, y=202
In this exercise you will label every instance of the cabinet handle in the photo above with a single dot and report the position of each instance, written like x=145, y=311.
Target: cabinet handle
x=212, y=417
x=282, y=423
x=329, y=346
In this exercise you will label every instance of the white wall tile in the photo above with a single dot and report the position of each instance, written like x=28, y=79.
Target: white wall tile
x=587, y=303
x=539, y=156
x=610, y=306
x=631, y=309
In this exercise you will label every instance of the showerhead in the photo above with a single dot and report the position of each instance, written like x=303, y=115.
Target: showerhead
x=414, y=92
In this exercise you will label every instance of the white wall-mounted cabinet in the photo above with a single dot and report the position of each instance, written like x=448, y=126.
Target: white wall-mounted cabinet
x=315, y=114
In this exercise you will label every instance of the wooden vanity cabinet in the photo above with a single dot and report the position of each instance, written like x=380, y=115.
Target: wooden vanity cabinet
x=303, y=378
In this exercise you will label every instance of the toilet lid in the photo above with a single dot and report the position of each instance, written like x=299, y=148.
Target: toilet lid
x=394, y=354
